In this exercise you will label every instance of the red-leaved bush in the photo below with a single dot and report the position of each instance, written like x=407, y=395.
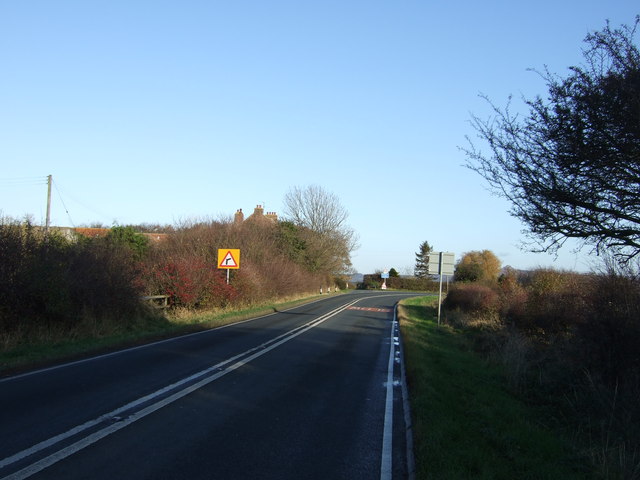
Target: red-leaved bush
x=189, y=282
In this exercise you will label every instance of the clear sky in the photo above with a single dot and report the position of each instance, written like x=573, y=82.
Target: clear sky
x=166, y=111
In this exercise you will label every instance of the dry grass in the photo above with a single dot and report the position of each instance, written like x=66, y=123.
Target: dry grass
x=48, y=343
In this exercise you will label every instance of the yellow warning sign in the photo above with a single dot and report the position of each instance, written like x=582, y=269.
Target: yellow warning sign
x=229, y=258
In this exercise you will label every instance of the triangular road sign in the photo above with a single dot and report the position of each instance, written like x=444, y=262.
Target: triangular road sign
x=229, y=258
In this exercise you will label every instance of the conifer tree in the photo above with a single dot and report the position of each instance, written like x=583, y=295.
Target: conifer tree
x=421, y=269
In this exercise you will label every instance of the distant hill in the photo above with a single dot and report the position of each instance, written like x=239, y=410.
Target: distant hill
x=356, y=278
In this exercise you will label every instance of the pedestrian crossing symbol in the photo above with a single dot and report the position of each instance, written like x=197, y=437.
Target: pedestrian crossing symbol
x=229, y=258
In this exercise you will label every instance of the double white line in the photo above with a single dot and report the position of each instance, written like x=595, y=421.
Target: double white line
x=132, y=412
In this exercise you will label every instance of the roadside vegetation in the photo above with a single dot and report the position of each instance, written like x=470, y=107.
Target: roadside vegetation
x=60, y=295
x=467, y=422
x=375, y=281
x=40, y=350
x=565, y=345
x=565, y=342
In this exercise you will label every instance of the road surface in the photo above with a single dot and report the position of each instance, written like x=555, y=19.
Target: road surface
x=308, y=393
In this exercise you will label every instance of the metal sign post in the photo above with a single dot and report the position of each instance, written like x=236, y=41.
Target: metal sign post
x=384, y=277
x=440, y=263
x=229, y=258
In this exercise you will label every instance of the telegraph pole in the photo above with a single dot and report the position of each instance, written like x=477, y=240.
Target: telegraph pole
x=440, y=294
x=48, y=220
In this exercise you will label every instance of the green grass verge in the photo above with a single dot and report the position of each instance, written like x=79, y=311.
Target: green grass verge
x=466, y=423
x=45, y=348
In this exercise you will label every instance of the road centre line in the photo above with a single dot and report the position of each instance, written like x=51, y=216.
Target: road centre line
x=121, y=423
x=159, y=342
x=107, y=417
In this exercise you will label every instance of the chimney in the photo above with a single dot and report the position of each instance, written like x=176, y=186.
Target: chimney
x=273, y=216
x=259, y=211
x=239, y=216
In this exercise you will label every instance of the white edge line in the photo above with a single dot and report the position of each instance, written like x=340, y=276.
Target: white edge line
x=159, y=342
x=387, y=436
x=406, y=406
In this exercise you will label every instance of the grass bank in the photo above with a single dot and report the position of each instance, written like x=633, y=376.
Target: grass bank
x=46, y=346
x=467, y=424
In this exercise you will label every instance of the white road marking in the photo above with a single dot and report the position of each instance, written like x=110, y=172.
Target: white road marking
x=108, y=430
x=386, y=471
x=139, y=347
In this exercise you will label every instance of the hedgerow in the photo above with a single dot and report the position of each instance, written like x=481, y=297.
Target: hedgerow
x=56, y=284
x=571, y=341
x=60, y=285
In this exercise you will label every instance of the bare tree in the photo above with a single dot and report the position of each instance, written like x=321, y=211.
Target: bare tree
x=571, y=168
x=321, y=212
x=315, y=208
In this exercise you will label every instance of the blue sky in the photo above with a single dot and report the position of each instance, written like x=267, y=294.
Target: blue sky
x=167, y=111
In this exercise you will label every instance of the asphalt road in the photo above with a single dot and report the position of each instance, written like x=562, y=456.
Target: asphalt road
x=308, y=393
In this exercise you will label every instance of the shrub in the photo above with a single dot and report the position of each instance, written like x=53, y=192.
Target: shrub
x=412, y=283
x=478, y=266
x=370, y=281
x=127, y=236
x=62, y=283
x=340, y=282
x=189, y=282
x=610, y=332
x=374, y=281
x=513, y=298
x=471, y=298
x=573, y=342
x=544, y=301
x=102, y=280
x=268, y=267
x=56, y=284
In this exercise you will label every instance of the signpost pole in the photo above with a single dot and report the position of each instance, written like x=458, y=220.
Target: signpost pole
x=384, y=277
x=440, y=294
x=441, y=263
x=228, y=258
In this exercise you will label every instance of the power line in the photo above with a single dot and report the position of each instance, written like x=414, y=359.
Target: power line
x=23, y=181
x=81, y=203
x=55, y=184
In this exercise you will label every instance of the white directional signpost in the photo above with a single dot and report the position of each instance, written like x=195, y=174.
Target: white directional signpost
x=384, y=275
x=441, y=263
x=229, y=258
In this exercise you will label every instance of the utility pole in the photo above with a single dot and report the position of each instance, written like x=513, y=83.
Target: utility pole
x=48, y=220
x=440, y=294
